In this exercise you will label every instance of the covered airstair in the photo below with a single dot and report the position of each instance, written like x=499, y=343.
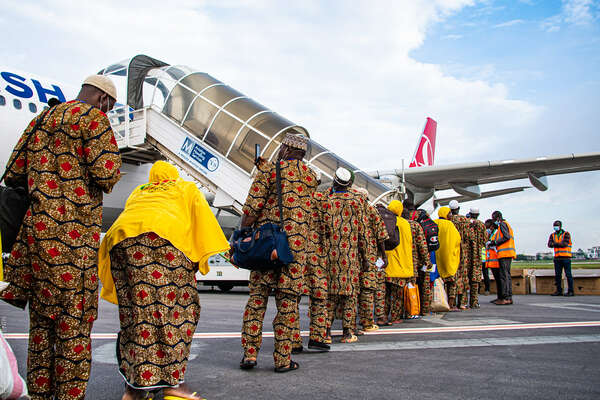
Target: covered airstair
x=208, y=129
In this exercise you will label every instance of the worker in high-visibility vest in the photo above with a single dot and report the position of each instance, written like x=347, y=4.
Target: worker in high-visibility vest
x=504, y=241
x=560, y=241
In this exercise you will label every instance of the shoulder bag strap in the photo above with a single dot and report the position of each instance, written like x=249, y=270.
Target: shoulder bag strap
x=279, y=199
x=35, y=128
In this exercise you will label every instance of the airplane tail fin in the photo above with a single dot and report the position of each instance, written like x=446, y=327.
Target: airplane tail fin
x=425, y=151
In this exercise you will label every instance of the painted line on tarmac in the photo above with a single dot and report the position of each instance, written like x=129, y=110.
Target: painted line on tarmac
x=569, y=306
x=382, y=331
x=485, y=342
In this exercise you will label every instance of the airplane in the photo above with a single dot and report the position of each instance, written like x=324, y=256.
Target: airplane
x=23, y=95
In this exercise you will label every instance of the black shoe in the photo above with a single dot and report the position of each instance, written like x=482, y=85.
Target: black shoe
x=569, y=294
x=557, y=293
x=314, y=345
x=297, y=350
x=247, y=364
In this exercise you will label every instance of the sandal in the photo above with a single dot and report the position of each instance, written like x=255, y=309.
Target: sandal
x=383, y=322
x=350, y=338
x=293, y=366
x=247, y=364
x=371, y=328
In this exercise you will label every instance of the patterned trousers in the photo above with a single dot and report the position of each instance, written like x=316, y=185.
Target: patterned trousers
x=380, y=296
x=348, y=305
x=366, y=300
x=394, y=299
x=317, y=311
x=159, y=310
x=59, y=357
x=424, y=292
x=451, y=290
x=283, y=323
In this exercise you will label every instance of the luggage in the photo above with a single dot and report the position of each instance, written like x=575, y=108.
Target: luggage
x=12, y=386
x=389, y=219
x=439, y=302
x=412, y=302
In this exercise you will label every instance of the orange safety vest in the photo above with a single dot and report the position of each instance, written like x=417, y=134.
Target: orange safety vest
x=491, y=259
x=561, y=251
x=506, y=249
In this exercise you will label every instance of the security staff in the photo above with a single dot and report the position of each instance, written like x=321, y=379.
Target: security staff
x=560, y=241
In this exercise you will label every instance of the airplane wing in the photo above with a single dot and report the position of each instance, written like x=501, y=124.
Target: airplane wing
x=466, y=178
x=492, y=193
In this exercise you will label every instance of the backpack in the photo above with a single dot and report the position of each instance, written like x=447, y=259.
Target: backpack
x=389, y=219
x=431, y=231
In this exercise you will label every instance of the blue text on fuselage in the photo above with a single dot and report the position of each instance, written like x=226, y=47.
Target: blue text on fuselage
x=18, y=86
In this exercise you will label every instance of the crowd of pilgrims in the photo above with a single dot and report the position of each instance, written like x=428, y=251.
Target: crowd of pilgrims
x=148, y=259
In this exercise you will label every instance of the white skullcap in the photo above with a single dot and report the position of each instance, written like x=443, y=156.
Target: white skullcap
x=474, y=210
x=342, y=176
x=453, y=204
x=103, y=83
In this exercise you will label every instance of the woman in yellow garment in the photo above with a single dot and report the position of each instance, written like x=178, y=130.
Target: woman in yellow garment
x=147, y=263
x=448, y=255
x=400, y=269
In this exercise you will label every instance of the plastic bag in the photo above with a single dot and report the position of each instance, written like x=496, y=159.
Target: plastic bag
x=12, y=386
x=412, y=305
x=439, y=302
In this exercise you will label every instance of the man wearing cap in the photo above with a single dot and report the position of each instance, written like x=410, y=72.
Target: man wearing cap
x=477, y=247
x=560, y=241
x=298, y=182
x=344, y=214
x=69, y=162
x=466, y=243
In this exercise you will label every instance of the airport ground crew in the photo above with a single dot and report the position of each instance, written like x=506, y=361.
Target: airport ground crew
x=298, y=182
x=560, y=241
x=375, y=236
x=491, y=257
x=400, y=269
x=344, y=213
x=448, y=255
x=504, y=241
x=70, y=161
x=466, y=235
x=475, y=266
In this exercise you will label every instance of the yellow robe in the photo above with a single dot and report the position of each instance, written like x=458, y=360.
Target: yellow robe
x=400, y=259
x=172, y=208
x=448, y=255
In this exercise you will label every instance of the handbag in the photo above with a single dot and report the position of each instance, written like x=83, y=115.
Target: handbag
x=439, y=302
x=266, y=247
x=14, y=201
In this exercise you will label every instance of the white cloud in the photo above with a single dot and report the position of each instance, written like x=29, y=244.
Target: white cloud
x=452, y=37
x=509, y=23
x=574, y=12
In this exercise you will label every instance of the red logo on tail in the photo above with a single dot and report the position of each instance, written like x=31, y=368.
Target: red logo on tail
x=425, y=152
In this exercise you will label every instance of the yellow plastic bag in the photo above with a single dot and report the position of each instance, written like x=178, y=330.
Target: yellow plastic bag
x=439, y=302
x=412, y=302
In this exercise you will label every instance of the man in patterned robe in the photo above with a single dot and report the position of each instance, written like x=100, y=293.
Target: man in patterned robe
x=66, y=166
x=475, y=267
x=467, y=235
x=298, y=182
x=422, y=264
x=345, y=235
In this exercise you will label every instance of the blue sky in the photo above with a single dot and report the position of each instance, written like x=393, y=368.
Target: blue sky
x=504, y=79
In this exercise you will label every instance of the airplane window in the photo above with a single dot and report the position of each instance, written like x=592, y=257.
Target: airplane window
x=32, y=107
x=17, y=104
x=2, y=101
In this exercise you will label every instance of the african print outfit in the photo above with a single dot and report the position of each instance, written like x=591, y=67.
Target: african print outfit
x=159, y=309
x=344, y=223
x=463, y=225
x=298, y=183
x=69, y=162
x=421, y=258
x=474, y=269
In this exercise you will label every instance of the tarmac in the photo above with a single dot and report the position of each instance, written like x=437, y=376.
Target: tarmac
x=540, y=347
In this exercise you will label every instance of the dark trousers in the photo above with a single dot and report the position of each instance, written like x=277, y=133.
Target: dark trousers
x=505, y=279
x=496, y=274
x=486, y=277
x=559, y=265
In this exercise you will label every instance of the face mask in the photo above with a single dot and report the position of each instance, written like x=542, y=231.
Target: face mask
x=556, y=228
x=497, y=223
x=489, y=231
